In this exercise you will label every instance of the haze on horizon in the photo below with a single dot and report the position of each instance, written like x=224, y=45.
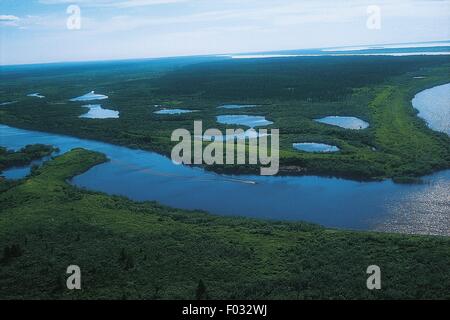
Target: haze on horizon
x=35, y=31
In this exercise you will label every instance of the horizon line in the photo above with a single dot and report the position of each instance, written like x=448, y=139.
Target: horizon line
x=215, y=54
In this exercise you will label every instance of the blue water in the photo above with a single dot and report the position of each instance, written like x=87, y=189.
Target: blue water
x=315, y=147
x=97, y=112
x=344, y=122
x=237, y=106
x=245, y=120
x=90, y=97
x=35, y=95
x=142, y=175
x=173, y=111
x=434, y=107
x=16, y=173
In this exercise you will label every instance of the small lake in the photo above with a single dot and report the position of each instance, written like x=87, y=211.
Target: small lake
x=97, y=112
x=173, y=111
x=352, y=123
x=35, y=95
x=7, y=103
x=314, y=147
x=247, y=134
x=245, y=120
x=237, y=106
x=434, y=107
x=90, y=96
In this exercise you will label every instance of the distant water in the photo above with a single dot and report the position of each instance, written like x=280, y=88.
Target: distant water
x=434, y=107
x=315, y=147
x=141, y=175
x=237, y=106
x=97, y=112
x=7, y=103
x=344, y=122
x=245, y=120
x=247, y=134
x=173, y=111
x=90, y=96
x=35, y=95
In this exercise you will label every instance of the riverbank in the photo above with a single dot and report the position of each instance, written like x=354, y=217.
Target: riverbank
x=148, y=251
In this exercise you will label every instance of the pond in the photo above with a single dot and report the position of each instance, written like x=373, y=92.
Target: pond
x=247, y=134
x=352, y=123
x=97, y=112
x=90, y=96
x=35, y=95
x=173, y=111
x=237, y=106
x=6, y=103
x=245, y=120
x=315, y=147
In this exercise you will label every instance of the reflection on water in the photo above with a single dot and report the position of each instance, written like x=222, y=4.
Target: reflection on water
x=344, y=122
x=424, y=211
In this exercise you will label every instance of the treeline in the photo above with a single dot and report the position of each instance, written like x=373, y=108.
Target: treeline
x=302, y=78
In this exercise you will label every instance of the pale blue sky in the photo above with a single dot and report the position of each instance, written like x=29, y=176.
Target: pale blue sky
x=34, y=31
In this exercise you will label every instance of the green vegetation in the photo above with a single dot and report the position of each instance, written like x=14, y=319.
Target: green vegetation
x=11, y=158
x=290, y=92
x=143, y=250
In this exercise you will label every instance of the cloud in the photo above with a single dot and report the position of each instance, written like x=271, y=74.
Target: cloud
x=9, y=20
x=113, y=3
x=8, y=17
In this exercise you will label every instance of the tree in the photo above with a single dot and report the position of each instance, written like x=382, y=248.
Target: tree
x=200, y=293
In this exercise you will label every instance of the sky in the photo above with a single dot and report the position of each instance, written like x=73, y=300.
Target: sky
x=37, y=31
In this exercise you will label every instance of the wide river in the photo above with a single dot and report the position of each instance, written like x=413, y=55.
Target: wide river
x=141, y=175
